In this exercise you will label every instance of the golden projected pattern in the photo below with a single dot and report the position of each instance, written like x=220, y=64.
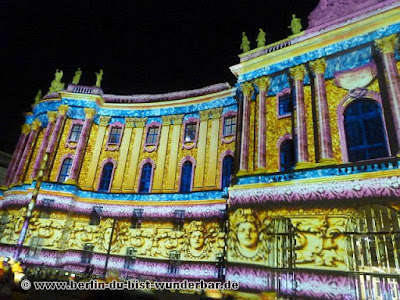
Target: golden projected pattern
x=196, y=240
x=309, y=240
x=31, y=163
x=88, y=154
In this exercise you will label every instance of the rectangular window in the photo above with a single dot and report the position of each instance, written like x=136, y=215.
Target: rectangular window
x=179, y=218
x=35, y=247
x=95, y=216
x=174, y=257
x=115, y=135
x=75, y=132
x=130, y=258
x=229, y=126
x=152, y=135
x=46, y=208
x=87, y=253
x=285, y=104
x=137, y=218
x=190, y=132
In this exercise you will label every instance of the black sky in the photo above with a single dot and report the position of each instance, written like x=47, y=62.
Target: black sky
x=143, y=46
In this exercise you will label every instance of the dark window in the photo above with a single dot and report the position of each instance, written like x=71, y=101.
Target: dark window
x=287, y=156
x=152, y=135
x=106, y=177
x=186, y=177
x=115, y=135
x=179, y=218
x=222, y=220
x=227, y=171
x=95, y=216
x=229, y=126
x=130, y=258
x=137, y=218
x=87, y=253
x=285, y=104
x=65, y=169
x=145, y=179
x=220, y=266
x=46, y=208
x=35, y=247
x=365, y=134
x=75, y=133
x=190, y=132
x=174, y=259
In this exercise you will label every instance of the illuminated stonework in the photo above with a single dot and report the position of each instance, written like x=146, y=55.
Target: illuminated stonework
x=291, y=176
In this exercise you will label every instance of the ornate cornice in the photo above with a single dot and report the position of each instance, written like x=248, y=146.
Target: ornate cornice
x=216, y=113
x=204, y=115
x=140, y=122
x=104, y=120
x=129, y=122
x=166, y=120
x=177, y=119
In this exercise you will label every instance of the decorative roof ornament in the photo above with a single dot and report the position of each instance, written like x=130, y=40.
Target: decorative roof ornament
x=245, y=46
x=56, y=84
x=295, y=25
x=77, y=76
x=261, y=38
x=330, y=10
x=99, y=77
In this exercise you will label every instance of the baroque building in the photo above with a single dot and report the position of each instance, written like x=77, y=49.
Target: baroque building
x=287, y=182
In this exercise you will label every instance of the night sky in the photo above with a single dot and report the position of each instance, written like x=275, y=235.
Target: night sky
x=142, y=47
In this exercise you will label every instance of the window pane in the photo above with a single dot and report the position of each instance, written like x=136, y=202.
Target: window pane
x=186, y=177
x=106, y=177
x=115, y=135
x=285, y=104
x=227, y=171
x=145, y=179
x=65, y=169
x=229, y=126
x=190, y=132
x=75, y=132
x=152, y=135
x=287, y=156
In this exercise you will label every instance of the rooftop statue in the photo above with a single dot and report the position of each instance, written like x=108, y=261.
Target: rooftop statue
x=295, y=25
x=38, y=96
x=77, y=76
x=99, y=76
x=245, y=46
x=56, y=84
x=261, y=38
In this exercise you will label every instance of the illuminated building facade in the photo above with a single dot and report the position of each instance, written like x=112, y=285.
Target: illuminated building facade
x=310, y=132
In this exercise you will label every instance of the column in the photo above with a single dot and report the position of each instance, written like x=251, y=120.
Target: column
x=298, y=73
x=17, y=154
x=262, y=84
x=134, y=159
x=318, y=67
x=201, y=151
x=123, y=155
x=80, y=149
x=387, y=47
x=161, y=153
x=213, y=150
x=51, y=119
x=31, y=139
x=173, y=152
x=247, y=89
x=104, y=120
x=62, y=111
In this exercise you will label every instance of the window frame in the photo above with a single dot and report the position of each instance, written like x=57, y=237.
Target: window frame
x=283, y=93
x=150, y=147
x=67, y=156
x=192, y=143
x=227, y=139
x=182, y=162
x=142, y=164
x=111, y=146
x=103, y=164
x=87, y=254
x=72, y=144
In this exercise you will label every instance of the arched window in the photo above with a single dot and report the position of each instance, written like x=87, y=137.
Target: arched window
x=373, y=235
x=65, y=170
x=145, y=179
x=287, y=156
x=365, y=134
x=186, y=177
x=281, y=243
x=227, y=170
x=106, y=177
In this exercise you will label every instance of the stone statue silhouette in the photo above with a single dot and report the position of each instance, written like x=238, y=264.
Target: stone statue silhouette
x=261, y=38
x=295, y=25
x=77, y=76
x=56, y=84
x=245, y=46
x=99, y=77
